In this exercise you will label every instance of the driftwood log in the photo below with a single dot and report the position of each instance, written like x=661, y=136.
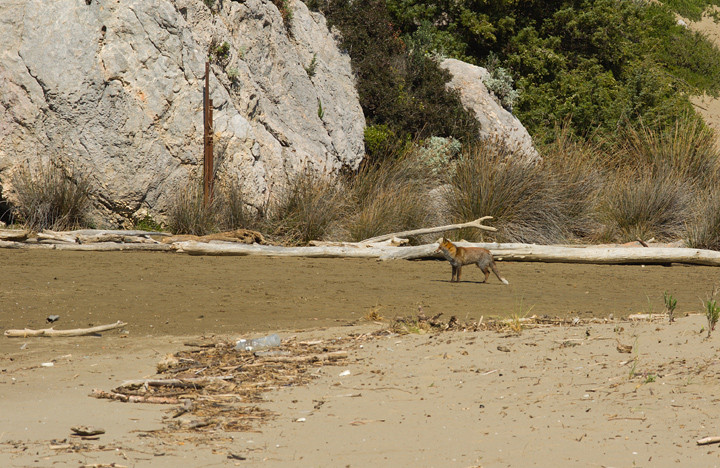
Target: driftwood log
x=17, y=235
x=51, y=332
x=508, y=252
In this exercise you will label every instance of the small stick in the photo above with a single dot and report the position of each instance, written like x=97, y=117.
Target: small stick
x=52, y=332
x=314, y=358
x=709, y=440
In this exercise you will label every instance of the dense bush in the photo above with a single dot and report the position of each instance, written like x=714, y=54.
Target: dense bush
x=596, y=62
x=401, y=88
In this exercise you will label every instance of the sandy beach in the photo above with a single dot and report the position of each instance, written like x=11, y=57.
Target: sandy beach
x=550, y=395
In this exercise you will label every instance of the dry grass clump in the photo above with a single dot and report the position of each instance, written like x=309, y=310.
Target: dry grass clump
x=234, y=211
x=51, y=197
x=189, y=214
x=657, y=183
x=687, y=150
x=529, y=202
x=703, y=231
x=389, y=196
x=309, y=208
x=645, y=206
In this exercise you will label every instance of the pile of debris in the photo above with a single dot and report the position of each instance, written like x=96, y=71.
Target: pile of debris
x=217, y=386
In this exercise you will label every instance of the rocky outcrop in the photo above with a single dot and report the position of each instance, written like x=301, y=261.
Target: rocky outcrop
x=114, y=88
x=495, y=121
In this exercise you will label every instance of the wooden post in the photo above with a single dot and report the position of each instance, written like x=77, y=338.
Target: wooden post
x=207, y=139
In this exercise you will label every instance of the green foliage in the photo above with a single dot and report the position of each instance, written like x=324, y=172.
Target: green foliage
x=399, y=87
x=692, y=9
x=439, y=154
x=50, y=197
x=594, y=63
x=321, y=111
x=712, y=313
x=670, y=305
x=312, y=67
x=147, y=223
x=219, y=53
x=500, y=83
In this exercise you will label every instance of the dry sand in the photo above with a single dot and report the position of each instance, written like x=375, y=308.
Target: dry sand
x=556, y=396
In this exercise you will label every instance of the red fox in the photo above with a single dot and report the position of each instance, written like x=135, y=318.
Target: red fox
x=459, y=256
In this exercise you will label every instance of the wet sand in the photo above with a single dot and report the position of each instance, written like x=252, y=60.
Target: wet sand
x=173, y=294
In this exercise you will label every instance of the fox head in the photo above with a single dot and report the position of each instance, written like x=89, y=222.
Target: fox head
x=445, y=246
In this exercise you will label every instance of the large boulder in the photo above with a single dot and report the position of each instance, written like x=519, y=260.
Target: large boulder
x=495, y=122
x=115, y=89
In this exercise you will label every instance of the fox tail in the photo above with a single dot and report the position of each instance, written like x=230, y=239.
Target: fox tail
x=497, y=273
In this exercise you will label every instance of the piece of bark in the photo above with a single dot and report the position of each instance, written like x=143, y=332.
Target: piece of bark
x=243, y=236
x=116, y=247
x=110, y=237
x=86, y=431
x=51, y=332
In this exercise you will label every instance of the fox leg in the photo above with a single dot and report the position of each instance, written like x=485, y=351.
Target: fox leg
x=458, y=271
x=487, y=273
x=454, y=273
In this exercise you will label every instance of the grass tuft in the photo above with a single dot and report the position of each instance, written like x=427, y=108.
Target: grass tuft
x=51, y=197
x=189, y=214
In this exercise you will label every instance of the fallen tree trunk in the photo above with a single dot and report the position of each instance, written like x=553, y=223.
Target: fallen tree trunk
x=115, y=247
x=417, y=232
x=51, y=332
x=17, y=235
x=507, y=252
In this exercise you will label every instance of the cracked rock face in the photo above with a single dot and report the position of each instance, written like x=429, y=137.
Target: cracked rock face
x=114, y=88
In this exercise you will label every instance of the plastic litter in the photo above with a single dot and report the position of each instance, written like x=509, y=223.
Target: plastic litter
x=270, y=341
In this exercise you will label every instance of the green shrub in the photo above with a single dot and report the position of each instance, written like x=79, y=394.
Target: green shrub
x=50, y=197
x=499, y=82
x=147, y=223
x=439, y=155
x=399, y=88
x=312, y=67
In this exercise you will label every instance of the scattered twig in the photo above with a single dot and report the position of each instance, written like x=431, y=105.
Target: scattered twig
x=51, y=332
